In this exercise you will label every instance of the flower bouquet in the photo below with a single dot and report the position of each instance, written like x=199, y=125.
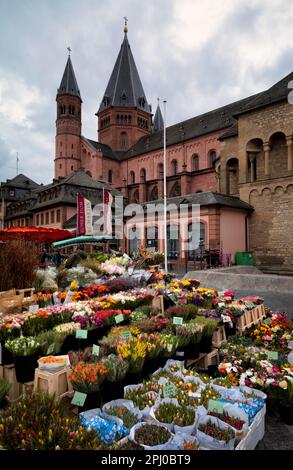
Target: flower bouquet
x=117, y=367
x=87, y=377
x=85, y=356
x=26, y=353
x=174, y=416
x=134, y=352
x=128, y=416
x=235, y=422
x=150, y=436
x=215, y=434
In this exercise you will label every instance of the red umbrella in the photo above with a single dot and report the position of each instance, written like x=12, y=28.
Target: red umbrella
x=40, y=234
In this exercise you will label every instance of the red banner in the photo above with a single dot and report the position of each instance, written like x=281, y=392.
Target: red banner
x=80, y=215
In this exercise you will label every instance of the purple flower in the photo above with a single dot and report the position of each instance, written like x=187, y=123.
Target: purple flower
x=97, y=321
x=82, y=320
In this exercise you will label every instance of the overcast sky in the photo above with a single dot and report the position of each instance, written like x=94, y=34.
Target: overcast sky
x=196, y=54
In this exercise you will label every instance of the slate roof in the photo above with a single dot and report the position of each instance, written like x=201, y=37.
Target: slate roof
x=21, y=181
x=68, y=85
x=105, y=149
x=124, y=87
x=224, y=117
x=158, y=120
x=208, y=198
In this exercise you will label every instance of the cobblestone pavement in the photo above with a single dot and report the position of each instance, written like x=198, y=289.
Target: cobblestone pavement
x=278, y=436
x=282, y=302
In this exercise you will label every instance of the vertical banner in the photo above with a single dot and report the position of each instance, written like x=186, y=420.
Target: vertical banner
x=80, y=215
x=88, y=217
x=107, y=205
x=84, y=216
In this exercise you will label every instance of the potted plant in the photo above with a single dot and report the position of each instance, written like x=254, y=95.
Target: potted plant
x=10, y=327
x=117, y=369
x=26, y=351
x=88, y=378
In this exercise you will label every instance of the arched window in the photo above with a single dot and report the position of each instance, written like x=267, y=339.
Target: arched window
x=174, y=167
x=173, y=241
x=142, y=175
x=154, y=194
x=135, y=197
x=110, y=176
x=132, y=177
x=195, y=163
x=160, y=170
x=175, y=190
x=212, y=158
x=123, y=141
x=197, y=246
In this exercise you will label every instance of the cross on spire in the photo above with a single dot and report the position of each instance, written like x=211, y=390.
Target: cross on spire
x=69, y=50
x=125, y=24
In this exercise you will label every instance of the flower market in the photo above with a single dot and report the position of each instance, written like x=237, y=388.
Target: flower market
x=116, y=354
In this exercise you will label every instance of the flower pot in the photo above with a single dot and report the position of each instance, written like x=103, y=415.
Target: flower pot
x=133, y=378
x=25, y=367
x=93, y=400
x=93, y=336
x=230, y=331
x=205, y=345
x=192, y=351
x=7, y=357
x=112, y=391
x=286, y=414
x=70, y=344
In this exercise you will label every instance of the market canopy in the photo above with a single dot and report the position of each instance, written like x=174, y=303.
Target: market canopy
x=41, y=234
x=82, y=240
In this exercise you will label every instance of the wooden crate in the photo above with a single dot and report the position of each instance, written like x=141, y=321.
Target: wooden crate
x=54, y=383
x=10, y=376
x=219, y=337
x=204, y=360
x=27, y=388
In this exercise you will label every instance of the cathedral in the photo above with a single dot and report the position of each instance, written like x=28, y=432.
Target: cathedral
x=236, y=162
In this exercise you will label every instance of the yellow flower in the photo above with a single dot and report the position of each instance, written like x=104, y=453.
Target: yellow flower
x=74, y=285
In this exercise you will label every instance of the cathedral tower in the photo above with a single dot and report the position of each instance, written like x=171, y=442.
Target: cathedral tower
x=68, y=124
x=124, y=115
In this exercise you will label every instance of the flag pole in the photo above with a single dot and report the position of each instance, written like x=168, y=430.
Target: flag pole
x=165, y=192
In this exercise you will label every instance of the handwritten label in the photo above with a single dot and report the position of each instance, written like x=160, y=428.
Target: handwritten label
x=96, y=350
x=273, y=355
x=169, y=390
x=68, y=296
x=267, y=320
x=216, y=406
x=78, y=399
x=119, y=318
x=81, y=334
x=177, y=321
x=126, y=334
x=33, y=308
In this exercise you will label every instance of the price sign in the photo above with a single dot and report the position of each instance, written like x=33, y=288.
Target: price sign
x=96, y=350
x=177, y=321
x=216, y=406
x=78, y=399
x=119, y=318
x=267, y=320
x=126, y=334
x=81, y=334
x=180, y=353
x=169, y=390
x=33, y=308
x=273, y=355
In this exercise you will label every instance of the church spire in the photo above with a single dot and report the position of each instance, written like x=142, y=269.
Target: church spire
x=158, y=119
x=124, y=88
x=68, y=85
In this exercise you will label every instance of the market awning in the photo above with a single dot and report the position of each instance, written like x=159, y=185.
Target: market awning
x=82, y=240
x=39, y=234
